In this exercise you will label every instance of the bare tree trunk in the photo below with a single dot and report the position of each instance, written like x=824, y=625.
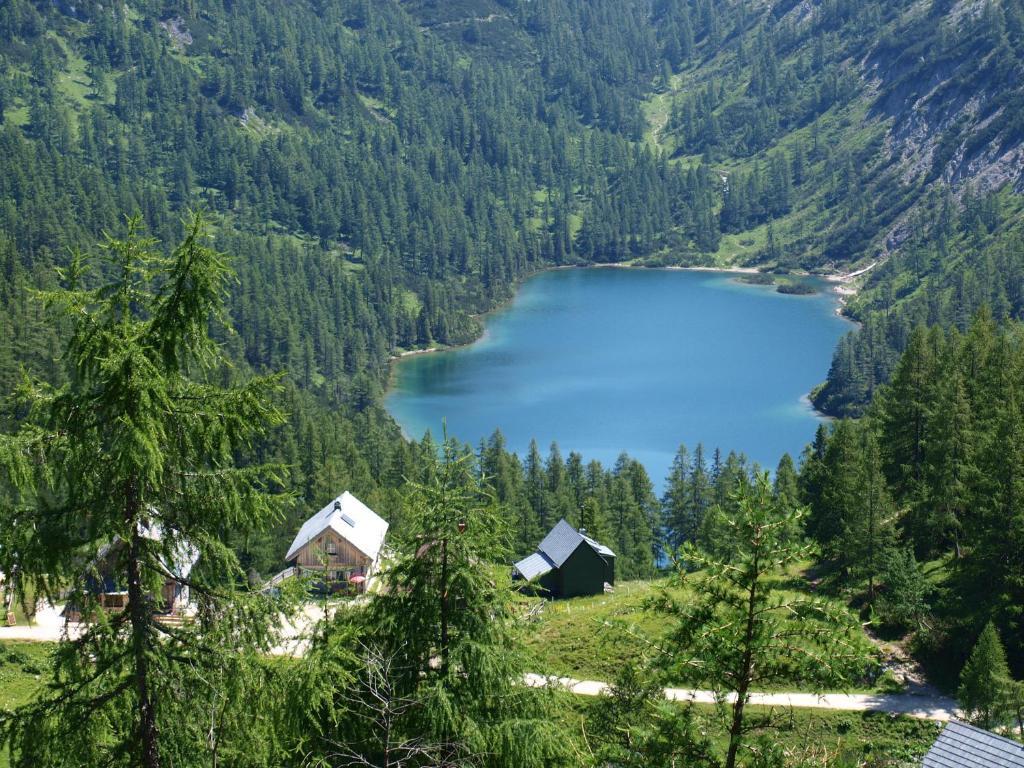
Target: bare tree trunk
x=140, y=616
x=444, y=606
x=736, y=729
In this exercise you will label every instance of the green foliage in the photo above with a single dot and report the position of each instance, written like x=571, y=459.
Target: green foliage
x=903, y=604
x=633, y=725
x=740, y=631
x=985, y=682
x=135, y=475
x=444, y=614
x=948, y=442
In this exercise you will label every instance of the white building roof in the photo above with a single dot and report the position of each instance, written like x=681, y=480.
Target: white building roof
x=348, y=517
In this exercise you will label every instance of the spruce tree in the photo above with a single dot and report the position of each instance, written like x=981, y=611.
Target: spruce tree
x=675, y=501
x=903, y=602
x=134, y=465
x=985, y=680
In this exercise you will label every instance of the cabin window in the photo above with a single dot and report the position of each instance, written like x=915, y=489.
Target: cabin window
x=332, y=547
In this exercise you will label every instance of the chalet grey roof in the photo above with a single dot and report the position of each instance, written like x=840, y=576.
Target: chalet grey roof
x=534, y=566
x=348, y=517
x=963, y=746
x=555, y=549
x=563, y=541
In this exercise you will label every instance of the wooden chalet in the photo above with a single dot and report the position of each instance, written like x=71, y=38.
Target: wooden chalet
x=568, y=563
x=341, y=545
x=106, y=576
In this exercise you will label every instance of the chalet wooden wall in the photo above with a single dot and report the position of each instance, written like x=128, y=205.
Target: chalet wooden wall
x=314, y=553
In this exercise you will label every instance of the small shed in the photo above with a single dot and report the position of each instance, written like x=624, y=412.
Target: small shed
x=568, y=563
x=341, y=544
x=963, y=746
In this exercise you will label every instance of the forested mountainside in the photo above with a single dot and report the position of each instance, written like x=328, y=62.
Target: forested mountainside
x=886, y=134
x=379, y=173
x=418, y=158
x=385, y=171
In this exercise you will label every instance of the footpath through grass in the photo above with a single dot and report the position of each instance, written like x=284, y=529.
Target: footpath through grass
x=589, y=638
x=833, y=739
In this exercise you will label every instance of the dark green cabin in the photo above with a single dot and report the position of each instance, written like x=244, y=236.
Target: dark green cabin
x=568, y=563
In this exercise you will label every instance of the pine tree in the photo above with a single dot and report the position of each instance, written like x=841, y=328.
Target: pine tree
x=135, y=460
x=984, y=681
x=737, y=629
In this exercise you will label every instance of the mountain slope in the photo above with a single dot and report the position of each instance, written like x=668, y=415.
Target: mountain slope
x=390, y=169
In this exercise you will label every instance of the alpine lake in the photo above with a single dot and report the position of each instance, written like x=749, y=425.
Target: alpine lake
x=604, y=361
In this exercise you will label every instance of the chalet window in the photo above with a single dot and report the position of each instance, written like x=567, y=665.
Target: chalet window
x=332, y=547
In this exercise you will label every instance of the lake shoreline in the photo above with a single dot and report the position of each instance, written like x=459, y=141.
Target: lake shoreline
x=842, y=288
x=510, y=380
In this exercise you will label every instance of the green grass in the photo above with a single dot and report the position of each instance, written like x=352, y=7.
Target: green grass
x=591, y=637
x=24, y=668
x=411, y=302
x=376, y=106
x=808, y=737
x=17, y=116
x=736, y=249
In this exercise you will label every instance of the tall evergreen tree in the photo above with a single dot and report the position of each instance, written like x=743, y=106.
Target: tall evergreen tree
x=739, y=630
x=985, y=680
x=134, y=464
x=445, y=617
x=675, y=501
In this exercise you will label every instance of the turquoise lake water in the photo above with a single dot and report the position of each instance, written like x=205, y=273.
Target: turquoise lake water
x=610, y=360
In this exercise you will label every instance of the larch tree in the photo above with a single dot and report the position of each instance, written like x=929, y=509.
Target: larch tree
x=444, y=619
x=738, y=630
x=132, y=464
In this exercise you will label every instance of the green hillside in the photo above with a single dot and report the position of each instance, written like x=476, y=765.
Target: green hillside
x=445, y=150
x=381, y=173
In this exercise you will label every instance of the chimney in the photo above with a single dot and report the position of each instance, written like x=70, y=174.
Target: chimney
x=337, y=504
x=583, y=531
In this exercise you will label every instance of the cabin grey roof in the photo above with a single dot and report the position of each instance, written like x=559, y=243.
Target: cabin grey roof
x=555, y=549
x=563, y=541
x=534, y=566
x=183, y=554
x=963, y=746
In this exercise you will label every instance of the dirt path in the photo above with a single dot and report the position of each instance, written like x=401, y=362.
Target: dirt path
x=49, y=626
x=924, y=707
x=459, y=22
